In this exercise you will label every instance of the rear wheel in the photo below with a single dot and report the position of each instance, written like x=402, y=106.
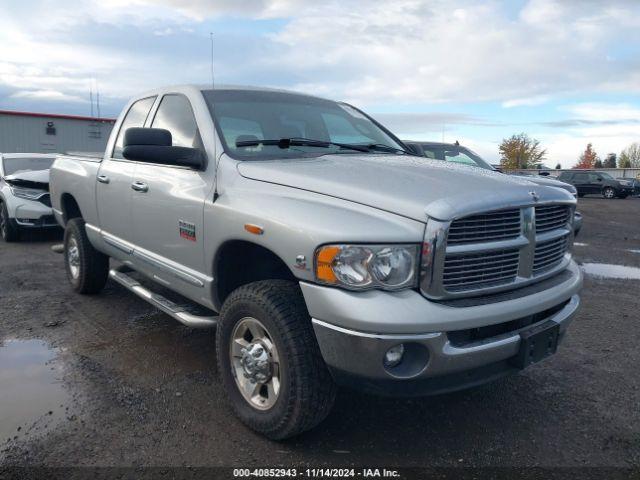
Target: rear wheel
x=608, y=192
x=87, y=269
x=9, y=229
x=269, y=360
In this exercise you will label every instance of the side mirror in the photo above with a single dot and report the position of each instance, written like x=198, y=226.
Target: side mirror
x=154, y=145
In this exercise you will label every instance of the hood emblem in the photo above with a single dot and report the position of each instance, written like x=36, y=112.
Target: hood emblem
x=534, y=195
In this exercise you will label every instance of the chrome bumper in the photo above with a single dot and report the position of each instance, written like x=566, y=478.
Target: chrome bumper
x=361, y=354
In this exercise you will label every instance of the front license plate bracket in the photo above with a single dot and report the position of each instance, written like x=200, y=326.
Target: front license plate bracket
x=537, y=343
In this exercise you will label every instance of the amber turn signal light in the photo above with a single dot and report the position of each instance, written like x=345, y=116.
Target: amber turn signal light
x=324, y=263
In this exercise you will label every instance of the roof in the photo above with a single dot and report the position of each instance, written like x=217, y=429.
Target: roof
x=57, y=115
x=220, y=87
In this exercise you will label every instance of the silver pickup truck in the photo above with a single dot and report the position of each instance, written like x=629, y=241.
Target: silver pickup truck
x=322, y=250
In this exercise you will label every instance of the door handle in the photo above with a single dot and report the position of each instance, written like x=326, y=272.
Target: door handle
x=140, y=187
x=103, y=179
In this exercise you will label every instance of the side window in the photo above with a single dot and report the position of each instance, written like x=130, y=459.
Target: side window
x=175, y=114
x=580, y=178
x=593, y=178
x=135, y=117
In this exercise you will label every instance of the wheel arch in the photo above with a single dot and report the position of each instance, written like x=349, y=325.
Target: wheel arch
x=70, y=208
x=239, y=262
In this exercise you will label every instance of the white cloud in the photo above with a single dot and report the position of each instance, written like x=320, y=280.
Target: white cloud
x=48, y=95
x=526, y=102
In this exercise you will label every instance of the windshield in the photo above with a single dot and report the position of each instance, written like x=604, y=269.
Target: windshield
x=454, y=153
x=246, y=116
x=11, y=166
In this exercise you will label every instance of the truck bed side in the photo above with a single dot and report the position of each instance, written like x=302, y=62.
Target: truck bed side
x=73, y=187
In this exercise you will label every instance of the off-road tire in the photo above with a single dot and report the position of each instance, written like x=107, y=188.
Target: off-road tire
x=307, y=390
x=93, y=265
x=609, y=193
x=9, y=229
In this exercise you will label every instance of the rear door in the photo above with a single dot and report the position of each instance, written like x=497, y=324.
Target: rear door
x=581, y=182
x=168, y=203
x=113, y=188
x=595, y=183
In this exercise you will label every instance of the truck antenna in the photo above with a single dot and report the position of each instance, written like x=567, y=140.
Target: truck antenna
x=91, y=97
x=211, y=38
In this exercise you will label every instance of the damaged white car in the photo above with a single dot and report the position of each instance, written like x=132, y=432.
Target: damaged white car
x=24, y=193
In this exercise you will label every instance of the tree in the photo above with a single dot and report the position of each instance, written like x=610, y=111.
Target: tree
x=631, y=156
x=624, y=163
x=587, y=159
x=558, y=166
x=597, y=163
x=610, y=161
x=520, y=151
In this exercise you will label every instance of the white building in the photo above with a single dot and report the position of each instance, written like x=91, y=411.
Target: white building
x=51, y=133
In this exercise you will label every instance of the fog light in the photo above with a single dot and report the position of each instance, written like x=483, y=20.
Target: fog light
x=394, y=355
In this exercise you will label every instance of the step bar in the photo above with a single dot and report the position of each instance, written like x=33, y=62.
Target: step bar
x=172, y=309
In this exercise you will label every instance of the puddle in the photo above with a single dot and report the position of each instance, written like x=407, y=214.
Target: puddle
x=605, y=270
x=31, y=396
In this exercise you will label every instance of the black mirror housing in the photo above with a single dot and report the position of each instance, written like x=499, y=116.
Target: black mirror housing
x=154, y=145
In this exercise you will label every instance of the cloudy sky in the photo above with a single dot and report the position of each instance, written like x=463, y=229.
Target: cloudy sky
x=565, y=72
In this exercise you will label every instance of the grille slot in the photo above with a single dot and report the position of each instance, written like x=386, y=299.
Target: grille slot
x=551, y=217
x=549, y=254
x=478, y=270
x=45, y=199
x=486, y=227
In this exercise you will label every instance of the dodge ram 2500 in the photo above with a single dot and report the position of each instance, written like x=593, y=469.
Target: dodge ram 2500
x=322, y=250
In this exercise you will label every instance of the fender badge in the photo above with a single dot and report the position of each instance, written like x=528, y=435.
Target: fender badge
x=534, y=195
x=187, y=230
x=301, y=262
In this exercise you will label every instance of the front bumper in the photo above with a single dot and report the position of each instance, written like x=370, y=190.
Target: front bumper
x=353, y=342
x=31, y=214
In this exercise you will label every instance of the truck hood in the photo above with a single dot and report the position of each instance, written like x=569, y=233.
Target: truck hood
x=32, y=179
x=550, y=182
x=414, y=187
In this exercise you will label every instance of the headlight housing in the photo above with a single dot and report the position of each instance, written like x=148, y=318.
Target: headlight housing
x=27, y=193
x=362, y=267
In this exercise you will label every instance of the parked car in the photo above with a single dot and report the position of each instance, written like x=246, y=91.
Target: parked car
x=323, y=252
x=456, y=153
x=24, y=193
x=635, y=183
x=598, y=183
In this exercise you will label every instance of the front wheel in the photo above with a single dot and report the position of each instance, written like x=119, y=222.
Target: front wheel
x=87, y=269
x=9, y=229
x=608, y=193
x=269, y=360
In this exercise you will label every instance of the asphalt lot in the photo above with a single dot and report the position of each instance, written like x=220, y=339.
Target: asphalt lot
x=112, y=381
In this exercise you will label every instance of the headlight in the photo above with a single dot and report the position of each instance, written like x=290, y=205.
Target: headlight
x=27, y=193
x=625, y=183
x=360, y=267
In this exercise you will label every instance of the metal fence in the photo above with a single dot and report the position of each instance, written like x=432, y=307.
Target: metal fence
x=614, y=172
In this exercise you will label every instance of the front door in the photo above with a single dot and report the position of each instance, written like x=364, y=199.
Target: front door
x=168, y=205
x=113, y=187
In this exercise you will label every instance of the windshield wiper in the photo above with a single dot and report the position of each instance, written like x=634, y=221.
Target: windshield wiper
x=295, y=142
x=386, y=148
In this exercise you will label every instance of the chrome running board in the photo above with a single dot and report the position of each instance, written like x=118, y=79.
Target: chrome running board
x=179, y=312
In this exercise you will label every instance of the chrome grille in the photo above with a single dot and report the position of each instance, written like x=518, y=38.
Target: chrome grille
x=487, y=227
x=549, y=254
x=551, y=217
x=477, y=270
x=495, y=250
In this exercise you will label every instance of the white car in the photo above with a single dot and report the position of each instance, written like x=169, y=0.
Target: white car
x=24, y=193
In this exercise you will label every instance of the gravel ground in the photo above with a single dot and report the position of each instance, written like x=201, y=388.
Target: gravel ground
x=133, y=387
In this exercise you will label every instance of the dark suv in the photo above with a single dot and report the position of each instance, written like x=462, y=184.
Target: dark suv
x=598, y=183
